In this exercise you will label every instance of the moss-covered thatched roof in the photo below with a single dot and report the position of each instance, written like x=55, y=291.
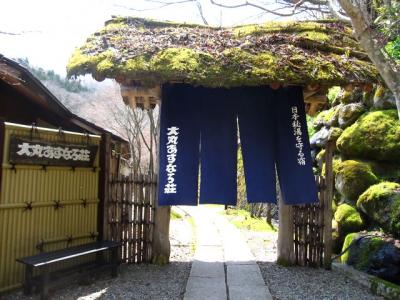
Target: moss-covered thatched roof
x=153, y=52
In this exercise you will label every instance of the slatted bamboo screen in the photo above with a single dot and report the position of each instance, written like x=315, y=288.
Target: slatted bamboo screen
x=131, y=215
x=44, y=209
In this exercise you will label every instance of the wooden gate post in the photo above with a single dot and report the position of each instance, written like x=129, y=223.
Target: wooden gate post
x=162, y=215
x=161, y=243
x=105, y=157
x=327, y=210
x=285, y=234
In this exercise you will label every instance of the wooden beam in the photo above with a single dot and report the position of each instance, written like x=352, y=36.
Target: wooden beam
x=142, y=97
x=317, y=98
x=313, y=109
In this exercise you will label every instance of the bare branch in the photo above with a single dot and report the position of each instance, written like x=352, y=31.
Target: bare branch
x=20, y=33
x=162, y=4
x=250, y=4
x=200, y=8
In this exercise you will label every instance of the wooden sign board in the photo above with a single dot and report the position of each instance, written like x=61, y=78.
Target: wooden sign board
x=37, y=152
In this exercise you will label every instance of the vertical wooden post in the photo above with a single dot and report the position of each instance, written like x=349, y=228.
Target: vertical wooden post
x=285, y=234
x=329, y=179
x=105, y=156
x=162, y=214
x=2, y=134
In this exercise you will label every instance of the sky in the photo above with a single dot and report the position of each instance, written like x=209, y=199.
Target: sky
x=47, y=31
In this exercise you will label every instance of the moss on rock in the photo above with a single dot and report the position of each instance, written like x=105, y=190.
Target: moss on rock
x=353, y=178
x=349, y=113
x=347, y=242
x=385, y=288
x=381, y=204
x=374, y=253
x=375, y=135
x=353, y=96
x=348, y=219
x=361, y=256
x=327, y=117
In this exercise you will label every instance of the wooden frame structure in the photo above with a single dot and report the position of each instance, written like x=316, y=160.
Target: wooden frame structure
x=288, y=241
x=316, y=55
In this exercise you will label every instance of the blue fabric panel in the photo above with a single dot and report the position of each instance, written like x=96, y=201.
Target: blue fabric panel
x=294, y=164
x=218, y=147
x=179, y=145
x=256, y=129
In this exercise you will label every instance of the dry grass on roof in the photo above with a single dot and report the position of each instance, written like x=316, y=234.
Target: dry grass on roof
x=155, y=52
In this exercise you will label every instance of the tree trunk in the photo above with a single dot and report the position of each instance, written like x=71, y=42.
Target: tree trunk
x=367, y=38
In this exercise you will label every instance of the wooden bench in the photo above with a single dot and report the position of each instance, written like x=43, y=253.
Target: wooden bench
x=43, y=261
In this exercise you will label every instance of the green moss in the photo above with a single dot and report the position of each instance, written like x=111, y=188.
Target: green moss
x=283, y=262
x=243, y=220
x=321, y=155
x=334, y=133
x=193, y=245
x=333, y=93
x=381, y=203
x=160, y=260
x=311, y=130
x=303, y=52
x=314, y=28
x=364, y=251
x=138, y=64
x=315, y=36
x=102, y=63
x=373, y=245
x=175, y=215
x=385, y=288
x=379, y=92
x=345, y=97
x=375, y=135
x=115, y=26
x=328, y=117
x=177, y=61
x=348, y=219
x=353, y=178
x=347, y=241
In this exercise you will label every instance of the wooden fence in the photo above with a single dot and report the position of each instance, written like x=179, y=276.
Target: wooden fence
x=130, y=209
x=308, y=222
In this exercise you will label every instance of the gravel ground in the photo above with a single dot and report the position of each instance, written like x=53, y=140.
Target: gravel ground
x=142, y=281
x=287, y=283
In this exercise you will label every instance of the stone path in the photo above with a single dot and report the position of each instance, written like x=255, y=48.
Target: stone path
x=223, y=266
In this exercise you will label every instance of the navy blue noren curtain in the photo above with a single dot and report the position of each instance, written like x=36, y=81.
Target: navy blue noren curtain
x=218, y=184
x=200, y=125
x=179, y=145
x=256, y=127
x=293, y=154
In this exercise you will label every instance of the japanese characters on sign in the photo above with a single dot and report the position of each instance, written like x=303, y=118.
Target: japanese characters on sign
x=172, y=150
x=25, y=151
x=296, y=125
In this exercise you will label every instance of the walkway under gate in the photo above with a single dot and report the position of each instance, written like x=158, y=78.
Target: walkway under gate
x=130, y=208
